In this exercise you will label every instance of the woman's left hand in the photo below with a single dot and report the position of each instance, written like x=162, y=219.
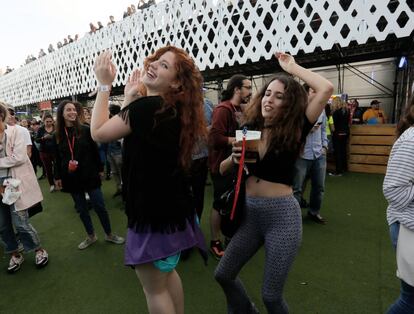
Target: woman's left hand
x=104, y=69
x=133, y=86
x=285, y=61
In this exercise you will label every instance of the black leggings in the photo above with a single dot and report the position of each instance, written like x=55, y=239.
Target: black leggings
x=276, y=223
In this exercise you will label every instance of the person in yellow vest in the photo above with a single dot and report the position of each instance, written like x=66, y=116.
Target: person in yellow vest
x=374, y=115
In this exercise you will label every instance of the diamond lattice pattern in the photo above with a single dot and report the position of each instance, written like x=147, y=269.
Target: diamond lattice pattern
x=216, y=33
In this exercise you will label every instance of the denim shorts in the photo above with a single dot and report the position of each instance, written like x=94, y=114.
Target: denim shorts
x=167, y=264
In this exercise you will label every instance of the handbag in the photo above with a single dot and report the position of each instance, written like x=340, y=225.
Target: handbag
x=35, y=209
x=233, y=200
x=405, y=255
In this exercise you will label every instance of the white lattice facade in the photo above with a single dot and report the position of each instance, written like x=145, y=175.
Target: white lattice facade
x=216, y=33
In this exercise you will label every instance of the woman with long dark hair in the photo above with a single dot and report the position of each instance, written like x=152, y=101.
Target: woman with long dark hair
x=160, y=130
x=273, y=217
x=78, y=170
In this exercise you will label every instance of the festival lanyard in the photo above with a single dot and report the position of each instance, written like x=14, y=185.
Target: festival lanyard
x=239, y=175
x=71, y=145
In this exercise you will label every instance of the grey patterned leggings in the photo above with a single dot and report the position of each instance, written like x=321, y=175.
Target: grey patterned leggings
x=276, y=223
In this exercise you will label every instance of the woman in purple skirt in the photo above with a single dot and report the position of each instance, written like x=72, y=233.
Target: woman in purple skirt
x=161, y=119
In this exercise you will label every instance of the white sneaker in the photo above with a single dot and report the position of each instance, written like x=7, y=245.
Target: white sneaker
x=41, y=258
x=87, y=242
x=20, y=247
x=52, y=188
x=115, y=239
x=15, y=262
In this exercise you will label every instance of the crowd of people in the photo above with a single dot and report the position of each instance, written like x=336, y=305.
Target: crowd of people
x=161, y=143
x=132, y=9
x=340, y=115
x=165, y=112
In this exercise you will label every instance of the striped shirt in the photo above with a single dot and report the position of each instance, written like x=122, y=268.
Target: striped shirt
x=398, y=186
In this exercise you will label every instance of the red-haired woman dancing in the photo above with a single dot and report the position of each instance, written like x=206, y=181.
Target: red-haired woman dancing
x=160, y=130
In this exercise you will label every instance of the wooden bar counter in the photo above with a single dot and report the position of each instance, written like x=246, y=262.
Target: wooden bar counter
x=369, y=147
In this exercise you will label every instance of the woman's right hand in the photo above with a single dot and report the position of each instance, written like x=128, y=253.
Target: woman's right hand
x=236, y=151
x=104, y=69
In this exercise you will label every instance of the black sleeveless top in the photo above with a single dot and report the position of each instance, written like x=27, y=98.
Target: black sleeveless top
x=155, y=188
x=278, y=166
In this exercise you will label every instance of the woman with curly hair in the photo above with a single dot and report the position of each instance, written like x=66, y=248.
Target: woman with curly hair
x=273, y=218
x=160, y=130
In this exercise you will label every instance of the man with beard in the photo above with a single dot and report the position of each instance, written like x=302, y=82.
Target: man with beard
x=225, y=122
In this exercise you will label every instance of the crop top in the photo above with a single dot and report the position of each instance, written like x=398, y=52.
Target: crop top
x=278, y=166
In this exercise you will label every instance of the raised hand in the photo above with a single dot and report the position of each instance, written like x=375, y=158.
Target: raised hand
x=285, y=60
x=104, y=69
x=133, y=87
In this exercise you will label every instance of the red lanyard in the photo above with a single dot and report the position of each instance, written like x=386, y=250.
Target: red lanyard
x=71, y=145
x=239, y=175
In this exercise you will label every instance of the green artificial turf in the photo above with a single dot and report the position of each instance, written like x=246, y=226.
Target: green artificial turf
x=346, y=266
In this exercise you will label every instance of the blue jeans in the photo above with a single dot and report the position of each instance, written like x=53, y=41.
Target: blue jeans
x=405, y=303
x=316, y=170
x=98, y=204
x=9, y=217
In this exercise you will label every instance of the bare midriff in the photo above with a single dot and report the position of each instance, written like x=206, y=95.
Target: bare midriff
x=261, y=188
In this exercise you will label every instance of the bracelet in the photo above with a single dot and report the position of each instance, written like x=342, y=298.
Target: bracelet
x=104, y=88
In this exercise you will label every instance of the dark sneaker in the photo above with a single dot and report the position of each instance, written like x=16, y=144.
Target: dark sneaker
x=216, y=249
x=15, y=262
x=317, y=218
x=41, y=258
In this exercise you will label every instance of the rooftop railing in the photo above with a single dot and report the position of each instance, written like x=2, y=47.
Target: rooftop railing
x=216, y=33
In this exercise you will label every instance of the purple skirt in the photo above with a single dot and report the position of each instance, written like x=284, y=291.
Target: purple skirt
x=146, y=247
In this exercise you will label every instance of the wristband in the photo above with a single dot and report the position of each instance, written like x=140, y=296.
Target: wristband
x=104, y=88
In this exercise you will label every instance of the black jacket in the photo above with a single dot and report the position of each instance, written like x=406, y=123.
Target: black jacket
x=86, y=177
x=46, y=145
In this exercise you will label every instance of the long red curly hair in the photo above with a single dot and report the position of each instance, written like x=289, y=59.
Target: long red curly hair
x=187, y=99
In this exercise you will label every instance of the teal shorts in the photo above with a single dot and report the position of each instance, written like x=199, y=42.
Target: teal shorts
x=167, y=264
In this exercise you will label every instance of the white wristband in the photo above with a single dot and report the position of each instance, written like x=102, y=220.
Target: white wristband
x=104, y=88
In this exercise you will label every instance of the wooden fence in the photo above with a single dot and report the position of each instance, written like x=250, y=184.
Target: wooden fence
x=369, y=147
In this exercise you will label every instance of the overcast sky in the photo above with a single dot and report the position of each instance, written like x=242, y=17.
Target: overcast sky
x=27, y=26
